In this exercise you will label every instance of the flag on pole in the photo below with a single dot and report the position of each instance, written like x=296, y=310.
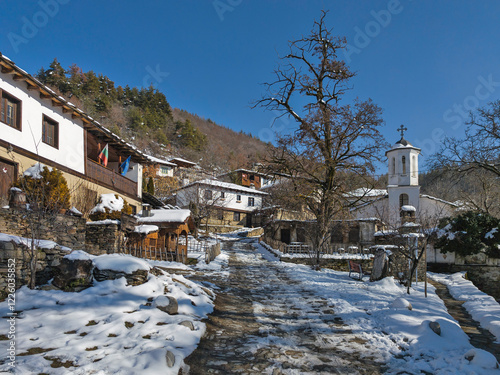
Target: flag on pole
x=104, y=155
x=124, y=166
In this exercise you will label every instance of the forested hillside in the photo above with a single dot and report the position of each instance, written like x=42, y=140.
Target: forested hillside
x=144, y=117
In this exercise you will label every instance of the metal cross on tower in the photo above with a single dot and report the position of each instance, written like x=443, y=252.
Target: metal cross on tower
x=402, y=129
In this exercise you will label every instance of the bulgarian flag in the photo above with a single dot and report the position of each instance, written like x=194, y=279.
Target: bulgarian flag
x=104, y=155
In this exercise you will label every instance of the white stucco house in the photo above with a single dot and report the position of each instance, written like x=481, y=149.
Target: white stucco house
x=233, y=205
x=37, y=125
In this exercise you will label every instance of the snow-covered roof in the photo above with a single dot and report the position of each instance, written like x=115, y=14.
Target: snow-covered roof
x=146, y=229
x=367, y=192
x=408, y=208
x=225, y=185
x=180, y=160
x=439, y=200
x=165, y=216
x=160, y=161
x=403, y=144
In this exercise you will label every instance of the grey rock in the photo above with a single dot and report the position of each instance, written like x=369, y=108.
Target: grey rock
x=135, y=278
x=187, y=323
x=166, y=304
x=380, y=265
x=170, y=359
x=436, y=328
x=73, y=275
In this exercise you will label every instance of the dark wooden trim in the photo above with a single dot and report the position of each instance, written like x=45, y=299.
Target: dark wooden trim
x=63, y=168
x=19, y=110
x=44, y=95
x=56, y=133
x=12, y=162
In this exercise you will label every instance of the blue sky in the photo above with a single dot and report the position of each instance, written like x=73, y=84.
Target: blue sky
x=426, y=63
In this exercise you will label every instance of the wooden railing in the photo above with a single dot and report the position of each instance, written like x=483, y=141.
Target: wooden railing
x=110, y=178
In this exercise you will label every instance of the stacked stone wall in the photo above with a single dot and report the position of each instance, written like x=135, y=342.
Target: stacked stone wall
x=103, y=238
x=66, y=230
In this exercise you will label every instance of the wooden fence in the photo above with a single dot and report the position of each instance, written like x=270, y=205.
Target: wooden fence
x=155, y=253
x=303, y=248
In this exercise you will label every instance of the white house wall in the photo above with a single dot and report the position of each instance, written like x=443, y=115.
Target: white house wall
x=230, y=202
x=71, y=133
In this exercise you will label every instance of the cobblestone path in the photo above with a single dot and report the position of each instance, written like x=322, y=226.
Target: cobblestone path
x=479, y=337
x=266, y=323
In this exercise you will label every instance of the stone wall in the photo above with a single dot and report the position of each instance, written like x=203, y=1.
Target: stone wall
x=66, y=230
x=48, y=259
x=103, y=238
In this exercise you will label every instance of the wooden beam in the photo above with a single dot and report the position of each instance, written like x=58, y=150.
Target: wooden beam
x=55, y=103
x=7, y=70
x=67, y=109
x=31, y=87
x=76, y=115
x=44, y=95
x=18, y=77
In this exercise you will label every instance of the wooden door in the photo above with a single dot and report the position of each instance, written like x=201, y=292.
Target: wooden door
x=7, y=177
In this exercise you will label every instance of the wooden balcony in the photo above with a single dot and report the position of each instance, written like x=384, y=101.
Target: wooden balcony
x=111, y=179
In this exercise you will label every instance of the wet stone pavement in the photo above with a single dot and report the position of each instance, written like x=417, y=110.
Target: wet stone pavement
x=266, y=323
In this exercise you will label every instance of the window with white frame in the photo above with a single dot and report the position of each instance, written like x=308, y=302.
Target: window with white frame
x=251, y=201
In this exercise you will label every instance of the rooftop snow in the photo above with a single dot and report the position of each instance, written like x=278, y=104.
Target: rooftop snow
x=226, y=185
x=408, y=208
x=160, y=161
x=367, y=192
x=181, y=161
x=166, y=216
x=145, y=229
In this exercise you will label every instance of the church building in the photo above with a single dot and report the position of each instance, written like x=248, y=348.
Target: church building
x=402, y=200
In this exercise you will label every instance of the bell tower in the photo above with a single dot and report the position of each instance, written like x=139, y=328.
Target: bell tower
x=403, y=187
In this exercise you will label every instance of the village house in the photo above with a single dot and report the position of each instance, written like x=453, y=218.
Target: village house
x=161, y=167
x=187, y=171
x=37, y=125
x=248, y=178
x=227, y=205
x=161, y=234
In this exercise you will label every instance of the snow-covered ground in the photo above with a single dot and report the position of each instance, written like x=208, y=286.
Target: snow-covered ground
x=378, y=312
x=110, y=328
x=482, y=307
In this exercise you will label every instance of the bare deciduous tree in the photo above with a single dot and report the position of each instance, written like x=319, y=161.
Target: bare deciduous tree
x=332, y=140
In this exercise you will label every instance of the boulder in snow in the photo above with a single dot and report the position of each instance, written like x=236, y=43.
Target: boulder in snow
x=170, y=359
x=481, y=358
x=166, y=304
x=436, y=328
x=187, y=323
x=401, y=303
x=73, y=274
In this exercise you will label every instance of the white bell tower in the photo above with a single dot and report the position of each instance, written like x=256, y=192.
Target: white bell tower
x=403, y=187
